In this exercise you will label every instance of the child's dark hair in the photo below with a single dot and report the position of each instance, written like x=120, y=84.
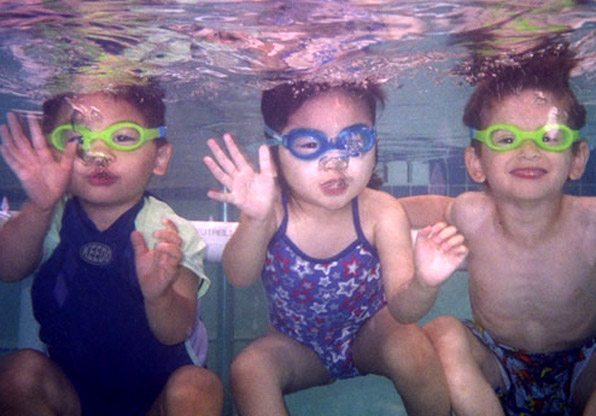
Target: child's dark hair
x=547, y=71
x=279, y=103
x=146, y=97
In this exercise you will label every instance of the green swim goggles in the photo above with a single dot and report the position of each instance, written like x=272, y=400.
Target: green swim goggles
x=504, y=137
x=125, y=136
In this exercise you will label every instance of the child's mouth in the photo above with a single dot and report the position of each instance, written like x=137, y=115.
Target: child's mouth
x=528, y=173
x=101, y=177
x=334, y=186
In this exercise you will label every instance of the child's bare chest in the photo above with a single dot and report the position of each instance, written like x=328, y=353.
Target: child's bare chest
x=542, y=291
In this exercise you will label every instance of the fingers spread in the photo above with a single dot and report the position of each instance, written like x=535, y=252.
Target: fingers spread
x=217, y=171
x=265, y=164
x=68, y=156
x=237, y=156
x=223, y=160
x=138, y=243
x=169, y=233
x=446, y=236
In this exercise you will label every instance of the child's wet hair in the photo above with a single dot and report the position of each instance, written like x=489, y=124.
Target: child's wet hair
x=147, y=97
x=279, y=103
x=548, y=71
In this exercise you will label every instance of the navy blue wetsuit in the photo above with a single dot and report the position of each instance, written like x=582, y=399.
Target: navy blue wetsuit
x=88, y=302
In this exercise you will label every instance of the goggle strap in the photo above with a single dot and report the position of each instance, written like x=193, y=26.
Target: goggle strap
x=273, y=137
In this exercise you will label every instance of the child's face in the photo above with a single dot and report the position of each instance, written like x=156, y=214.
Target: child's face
x=113, y=177
x=528, y=171
x=333, y=179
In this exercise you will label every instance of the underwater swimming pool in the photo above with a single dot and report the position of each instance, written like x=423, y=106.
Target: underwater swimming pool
x=214, y=58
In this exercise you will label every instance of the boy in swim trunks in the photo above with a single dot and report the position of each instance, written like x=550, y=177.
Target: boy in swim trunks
x=117, y=273
x=532, y=260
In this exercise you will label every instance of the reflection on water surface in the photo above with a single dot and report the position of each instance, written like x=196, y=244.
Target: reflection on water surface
x=214, y=58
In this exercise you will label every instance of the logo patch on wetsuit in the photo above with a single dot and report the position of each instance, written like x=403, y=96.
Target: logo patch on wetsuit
x=97, y=254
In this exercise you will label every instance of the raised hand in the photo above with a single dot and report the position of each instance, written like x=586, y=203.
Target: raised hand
x=439, y=250
x=157, y=268
x=252, y=192
x=43, y=174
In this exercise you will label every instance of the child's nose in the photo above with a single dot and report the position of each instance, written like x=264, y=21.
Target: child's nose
x=334, y=161
x=99, y=154
x=96, y=158
x=529, y=149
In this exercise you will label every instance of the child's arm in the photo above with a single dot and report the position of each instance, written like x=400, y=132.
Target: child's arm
x=424, y=210
x=411, y=291
x=45, y=180
x=169, y=289
x=438, y=251
x=255, y=194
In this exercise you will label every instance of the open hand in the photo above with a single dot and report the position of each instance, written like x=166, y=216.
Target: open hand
x=43, y=174
x=439, y=250
x=252, y=192
x=157, y=268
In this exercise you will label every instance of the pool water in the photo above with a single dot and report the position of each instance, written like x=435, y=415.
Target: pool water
x=213, y=58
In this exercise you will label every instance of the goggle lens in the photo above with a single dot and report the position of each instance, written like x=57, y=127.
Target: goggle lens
x=61, y=137
x=305, y=145
x=124, y=136
x=503, y=137
x=310, y=144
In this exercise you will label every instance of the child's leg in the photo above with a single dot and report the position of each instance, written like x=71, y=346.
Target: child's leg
x=270, y=367
x=404, y=354
x=472, y=371
x=584, y=394
x=190, y=390
x=31, y=384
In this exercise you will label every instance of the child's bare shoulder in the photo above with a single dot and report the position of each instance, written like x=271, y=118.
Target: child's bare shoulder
x=583, y=210
x=381, y=209
x=382, y=215
x=586, y=204
x=378, y=201
x=471, y=208
x=473, y=199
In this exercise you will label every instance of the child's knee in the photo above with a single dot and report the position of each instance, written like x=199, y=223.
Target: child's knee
x=190, y=383
x=248, y=363
x=28, y=376
x=190, y=378
x=194, y=389
x=407, y=354
x=24, y=371
x=444, y=332
x=259, y=362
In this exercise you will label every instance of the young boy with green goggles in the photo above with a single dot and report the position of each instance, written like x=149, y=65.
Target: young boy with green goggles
x=532, y=251
x=117, y=274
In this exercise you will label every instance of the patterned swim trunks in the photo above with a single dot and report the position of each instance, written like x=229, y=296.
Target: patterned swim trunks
x=537, y=384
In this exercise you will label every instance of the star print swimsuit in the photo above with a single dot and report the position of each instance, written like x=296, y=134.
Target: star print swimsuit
x=323, y=303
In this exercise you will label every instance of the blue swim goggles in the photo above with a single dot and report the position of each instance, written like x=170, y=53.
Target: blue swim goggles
x=309, y=144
